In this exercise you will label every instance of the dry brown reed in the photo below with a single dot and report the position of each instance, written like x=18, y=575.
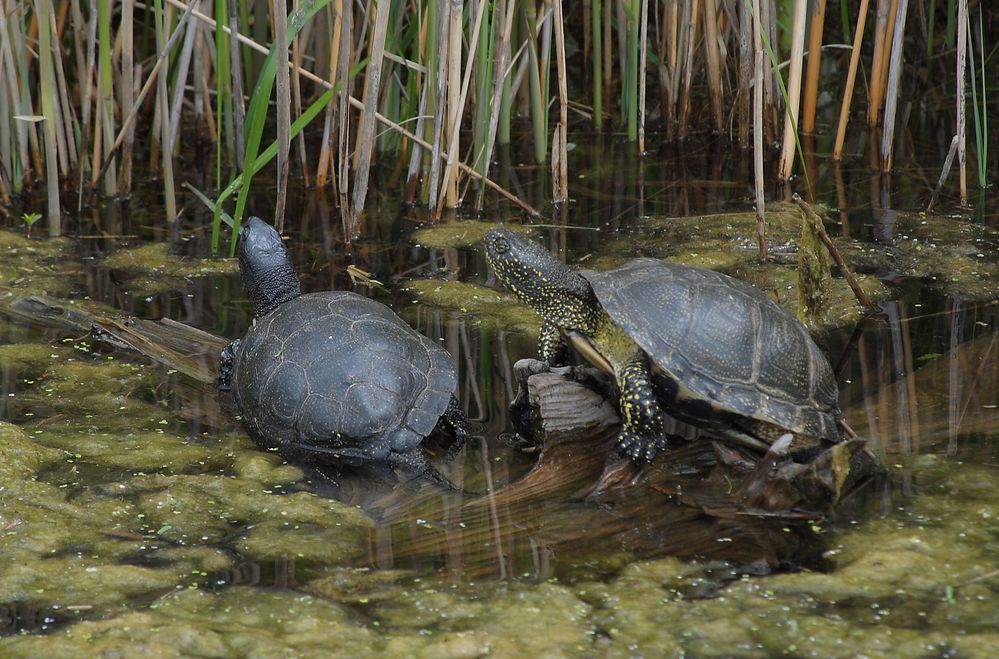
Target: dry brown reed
x=440, y=85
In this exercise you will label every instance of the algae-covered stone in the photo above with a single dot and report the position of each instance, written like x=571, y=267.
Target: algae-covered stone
x=464, y=233
x=155, y=258
x=154, y=269
x=31, y=355
x=36, y=265
x=20, y=457
x=544, y=620
x=71, y=581
x=239, y=621
x=485, y=305
x=108, y=391
x=264, y=468
x=207, y=508
x=142, y=450
x=348, y=585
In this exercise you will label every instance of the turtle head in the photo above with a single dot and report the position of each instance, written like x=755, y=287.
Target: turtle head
x=265, y=267
x=559, y=295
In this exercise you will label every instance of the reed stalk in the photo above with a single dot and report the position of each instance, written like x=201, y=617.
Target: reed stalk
x=256, y=116
x=455, y=103
x=170, y=200
x=223, y=91
x=161, y=62
x=126, y=93
x=814, y=66
x=105, y=74
x=880, y=33
x=181, y=72
x=66, y=136
x=596, y=62
x=43, y=8
x=629, y=104
x=793, y=91
x=279, y=23
x=851, y=77
x=642, y=57
x=366, y=131
x=296, y=95
x=483, y=75
x=27, y=35
x=746, y=63
x=712, y=56
x=560, y=156
x=758, y=128
x=506, y=100
x=539, y=107
x=894, y=80
x=223, y=108
x=333, y=14
x=962, y=58
x=57, y=119
x=501, y=83
x=689, y=52
x=439, y=89
x=449, y=188
x=422, y=53
x=981, y=114
x=235, y=65
x=343, y=136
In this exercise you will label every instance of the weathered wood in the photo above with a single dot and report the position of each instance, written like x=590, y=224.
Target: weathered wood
x=570, y=415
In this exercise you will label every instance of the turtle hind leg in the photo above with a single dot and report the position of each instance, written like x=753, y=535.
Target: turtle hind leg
x=417, y=463
x=643, y=434
x=455, y=420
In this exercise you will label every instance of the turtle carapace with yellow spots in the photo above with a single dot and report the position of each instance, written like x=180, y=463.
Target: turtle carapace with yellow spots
x=706, y=348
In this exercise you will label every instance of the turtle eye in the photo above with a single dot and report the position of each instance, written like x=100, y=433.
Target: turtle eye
x=501, y=246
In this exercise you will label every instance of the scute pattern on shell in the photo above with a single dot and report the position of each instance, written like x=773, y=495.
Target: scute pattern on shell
x=726, y=341
x=337, y=370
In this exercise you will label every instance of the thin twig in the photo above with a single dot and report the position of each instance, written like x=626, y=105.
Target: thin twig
x=851, y=279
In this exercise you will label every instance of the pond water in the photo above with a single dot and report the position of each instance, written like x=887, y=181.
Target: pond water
x=137, y=518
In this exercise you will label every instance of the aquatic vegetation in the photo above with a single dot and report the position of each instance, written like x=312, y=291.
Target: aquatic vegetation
x=465, y=233
x=152, y=267
x=483, y=305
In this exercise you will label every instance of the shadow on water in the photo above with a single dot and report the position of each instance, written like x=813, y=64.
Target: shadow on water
x=919, y=380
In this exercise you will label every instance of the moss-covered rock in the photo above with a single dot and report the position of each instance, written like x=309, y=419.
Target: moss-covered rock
x=484, y=305
x=20, y=457
x=239, y=621
x=544, y=620
x=153, y=268
x=464, y=233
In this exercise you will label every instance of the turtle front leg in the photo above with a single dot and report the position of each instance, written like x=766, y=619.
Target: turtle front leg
x=552, y=347
x=227, y=360
x=643, y=433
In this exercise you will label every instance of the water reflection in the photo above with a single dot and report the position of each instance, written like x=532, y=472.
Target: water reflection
x=920, y=379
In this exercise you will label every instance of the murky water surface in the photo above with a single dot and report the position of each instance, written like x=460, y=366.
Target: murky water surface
x=136, y=516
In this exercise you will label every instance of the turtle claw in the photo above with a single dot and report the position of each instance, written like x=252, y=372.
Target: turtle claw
x=638, y=447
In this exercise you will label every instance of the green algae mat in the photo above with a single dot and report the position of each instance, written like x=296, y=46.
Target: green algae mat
x=137, y=519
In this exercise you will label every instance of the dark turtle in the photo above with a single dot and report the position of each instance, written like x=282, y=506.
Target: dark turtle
x=704, y=347
x=332, y=375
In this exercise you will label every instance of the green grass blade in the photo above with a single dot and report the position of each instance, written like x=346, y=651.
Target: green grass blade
x=270, y=152
x=256, y=115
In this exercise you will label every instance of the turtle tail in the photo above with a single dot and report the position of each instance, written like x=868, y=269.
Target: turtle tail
x=416, y=462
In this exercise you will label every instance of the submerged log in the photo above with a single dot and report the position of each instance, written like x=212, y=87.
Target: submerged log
x=571, y=418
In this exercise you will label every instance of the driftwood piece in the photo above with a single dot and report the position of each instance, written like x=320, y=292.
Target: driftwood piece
x=574, y=422
x=188, y=350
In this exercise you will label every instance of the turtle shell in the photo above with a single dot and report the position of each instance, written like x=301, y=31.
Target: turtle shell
x=725, y=341
x=336, y=373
